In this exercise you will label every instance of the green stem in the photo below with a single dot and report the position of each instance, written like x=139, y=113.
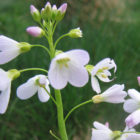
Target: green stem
x=54, y=135
x=33, y=69
x=41, y=46
x=59, y=39
x=60, y=115
x=50, y=95
x=130, y=132
x=74, y=108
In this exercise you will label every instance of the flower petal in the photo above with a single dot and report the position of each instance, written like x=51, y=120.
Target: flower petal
x=4, y=99
x=8, y=55
x=100, y=126
x=78, y=75
x=43, y=95
x=58, y=77
x=27, y=89
x=4, y=80
x=134, y=94
x=7, y=43
x=80, y=56
x=131, y=105
x=102, y=78
x=95, y=84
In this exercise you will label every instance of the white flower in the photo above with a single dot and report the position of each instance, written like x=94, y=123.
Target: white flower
x=101, y=132
x=114, y=94
x=69, y=67
x=5, y=87
x=133, y=119
x=132, y=104
x=101, y=70
x=32, y=86
x=8, y=49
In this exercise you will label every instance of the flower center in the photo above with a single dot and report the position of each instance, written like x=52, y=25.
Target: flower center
x=63, y=62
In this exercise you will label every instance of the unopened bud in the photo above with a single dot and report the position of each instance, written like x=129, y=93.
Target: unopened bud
x=75, y=33
x=24, y=47
x=13, y=74
x=35, y=31
x=63, y=8
x=35, y=13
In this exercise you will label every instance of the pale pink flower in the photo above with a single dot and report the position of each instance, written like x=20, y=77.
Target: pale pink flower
x=101, y=70
x=63, y=8
x=32, y=86
x=138, y=80
x=69, y=67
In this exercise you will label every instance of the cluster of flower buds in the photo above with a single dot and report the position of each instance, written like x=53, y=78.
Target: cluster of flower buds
x=51, y=13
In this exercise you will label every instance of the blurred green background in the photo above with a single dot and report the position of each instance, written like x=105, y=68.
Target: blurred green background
x=111, y=28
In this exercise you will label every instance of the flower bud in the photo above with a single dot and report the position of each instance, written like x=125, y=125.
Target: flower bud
x=35, y=31
x=46, y=12
x=35, y=13
x=54, y=12
x=24, y=47
x=75, y=33
x=138, y=80
x=13, y=74
x=63, y=8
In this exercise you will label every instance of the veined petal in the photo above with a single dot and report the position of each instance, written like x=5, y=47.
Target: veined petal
x=95, y=84
x=27, y=89
x=7, y=43
x=8, y=55
x=78, y=75
x=80, y=56
x=4, y=99
x=43, y=95
x=134, y=94
x=131, y=105
x=58, y=77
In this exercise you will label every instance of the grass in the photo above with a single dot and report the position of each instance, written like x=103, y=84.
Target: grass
x=31, y=119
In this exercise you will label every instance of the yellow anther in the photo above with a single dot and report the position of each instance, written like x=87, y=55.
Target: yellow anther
x=63, y=62
x=103, y=75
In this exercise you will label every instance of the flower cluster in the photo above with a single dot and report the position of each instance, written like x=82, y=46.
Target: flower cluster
x=66, y=67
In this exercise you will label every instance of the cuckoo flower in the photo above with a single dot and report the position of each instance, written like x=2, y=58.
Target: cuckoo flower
x=9, y=49
x=132, y=104
x=5, y=87
x=114, y=94
x=138, y=80
x=69, y=67
x=34, y=85
x=101, y=70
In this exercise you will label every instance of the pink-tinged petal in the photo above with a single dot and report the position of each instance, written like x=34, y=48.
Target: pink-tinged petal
x=4, y=80
x=34, y=31
x=7, y=43
x=4, y=99
x=100, y=126
x=54, y=7
x=48, y=4
x=95, y=84
x=131, y=105
x=79, y=56
x=78, y=75
x=63, y=8
x=8, y=55
x=27, y=89
x=43, y=95
x=133, y=119
x=58, y=77
x=134, y=94
x=138, y=78
x=33, y=9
